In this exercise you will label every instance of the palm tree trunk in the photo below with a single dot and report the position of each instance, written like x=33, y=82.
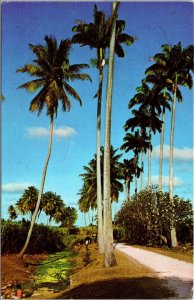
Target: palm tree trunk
x=109, y=257
x=127, y=187
x=174, y=242
x=161, y=146
x=98, y=164
x=40, y=192
x=85, y=219
x=161, y=151
x=150, y=160
x=142, y=172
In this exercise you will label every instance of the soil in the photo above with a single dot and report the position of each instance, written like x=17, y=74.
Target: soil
x=15, y=270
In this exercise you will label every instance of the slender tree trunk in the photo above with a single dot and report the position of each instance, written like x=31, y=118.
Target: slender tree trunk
x=150, y=161
x=98, y=164
x=89, y=217
x=109, y=257
x=161, y=146
x=174, y=242
x=40, y=192
x=127, y=187
x=142, y=173
x=136, y=164
x=85, y=219
x=161, y=152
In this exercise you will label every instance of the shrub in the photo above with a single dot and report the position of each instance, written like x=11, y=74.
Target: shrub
x=146, y=218
x=44, y=238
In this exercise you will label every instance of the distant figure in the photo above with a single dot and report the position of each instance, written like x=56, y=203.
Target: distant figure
x=18, y=294
x=19, y=291
x=88, y=240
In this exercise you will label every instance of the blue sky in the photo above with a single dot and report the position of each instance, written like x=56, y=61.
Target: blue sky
x=25, y=136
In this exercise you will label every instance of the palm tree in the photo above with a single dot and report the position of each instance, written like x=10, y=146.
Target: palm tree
x=156, y=77
x=138, y=143
x=89, y=189
x=109, y=257
x=149, y=100
x=12, y=212
x=128, y=171
x=141, y=122
x=53, y=72
x=27, y=202
x=176, y=64
x=96, y=35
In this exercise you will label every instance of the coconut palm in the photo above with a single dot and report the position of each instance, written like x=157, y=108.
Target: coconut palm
x=176, y=64
x=96, y=35
x=89, y=189
x=12, y=212
x=27, y=202
x=53, y=72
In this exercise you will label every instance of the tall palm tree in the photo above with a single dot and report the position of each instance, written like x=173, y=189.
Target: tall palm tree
x=53, y=72
x=176, y=64
x=109, y=257
x=156, y=77
x=138, y=143
x=141, y=122
x=148, y=98
x=96, y=35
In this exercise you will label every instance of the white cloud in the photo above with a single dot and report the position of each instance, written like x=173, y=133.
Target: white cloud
x=62, y=132
x=15, y=187
x=179, y=153
x=165, y=181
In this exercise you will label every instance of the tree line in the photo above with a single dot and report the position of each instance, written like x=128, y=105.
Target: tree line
x=51, y=204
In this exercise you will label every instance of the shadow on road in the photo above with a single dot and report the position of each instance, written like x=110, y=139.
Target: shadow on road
x=122, y=288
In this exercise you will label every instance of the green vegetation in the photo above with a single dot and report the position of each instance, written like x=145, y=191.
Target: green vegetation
x=44, y=238
x=146, y=219
x=54, y=271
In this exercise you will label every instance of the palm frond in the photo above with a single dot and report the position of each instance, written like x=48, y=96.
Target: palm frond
x=32, y=86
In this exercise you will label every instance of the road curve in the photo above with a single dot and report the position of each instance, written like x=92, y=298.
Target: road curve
x=178, y=273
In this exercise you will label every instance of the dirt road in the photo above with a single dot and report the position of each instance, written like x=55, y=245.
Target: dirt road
x=178, y=273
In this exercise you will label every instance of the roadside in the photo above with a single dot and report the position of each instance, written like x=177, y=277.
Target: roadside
x=128, y=280
x=178, y=273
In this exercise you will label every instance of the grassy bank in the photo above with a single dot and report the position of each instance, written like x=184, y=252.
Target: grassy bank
x=127, y=280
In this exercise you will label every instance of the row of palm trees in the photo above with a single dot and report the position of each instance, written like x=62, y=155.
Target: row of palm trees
x=171, y=69
x=157, y=93
x=51, y=204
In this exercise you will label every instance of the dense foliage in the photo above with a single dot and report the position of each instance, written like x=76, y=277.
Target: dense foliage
x=146, y=218
x=44, y=238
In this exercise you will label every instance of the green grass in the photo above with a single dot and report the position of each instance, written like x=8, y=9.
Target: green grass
x=54, y=272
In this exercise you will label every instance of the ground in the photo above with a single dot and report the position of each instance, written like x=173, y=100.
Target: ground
x=91, y=280
x=15, y=270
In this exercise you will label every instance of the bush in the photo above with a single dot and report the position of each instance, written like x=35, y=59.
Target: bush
x=44, y=238
x=147, y=217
